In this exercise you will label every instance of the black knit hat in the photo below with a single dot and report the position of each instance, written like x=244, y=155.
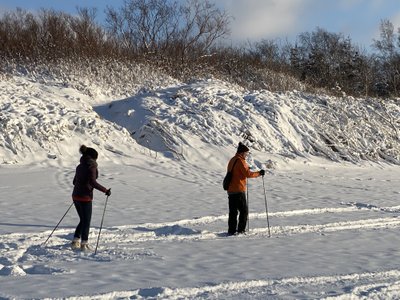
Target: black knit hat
x=88, y=151
x=242, y=148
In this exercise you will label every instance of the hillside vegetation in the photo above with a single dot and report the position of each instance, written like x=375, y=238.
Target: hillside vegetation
x=189, y=40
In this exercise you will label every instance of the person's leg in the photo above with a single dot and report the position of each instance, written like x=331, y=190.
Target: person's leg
x=233, y=211
x=76, y=242
x=243, y=213
x=85, y=221
x=78, y=230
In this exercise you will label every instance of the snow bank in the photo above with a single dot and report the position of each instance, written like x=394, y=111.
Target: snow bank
x=41, y=123
x=288, y=124
x=45, y=117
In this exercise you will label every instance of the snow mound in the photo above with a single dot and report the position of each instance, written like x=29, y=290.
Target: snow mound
x=41, y=123
x=289, y=124
x=12, y=271
x=198, y=122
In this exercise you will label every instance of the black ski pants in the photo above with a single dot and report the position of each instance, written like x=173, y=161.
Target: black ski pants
x=237, y=203
x=84, y=210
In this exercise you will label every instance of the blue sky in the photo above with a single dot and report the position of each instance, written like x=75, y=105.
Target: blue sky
x=254, y=20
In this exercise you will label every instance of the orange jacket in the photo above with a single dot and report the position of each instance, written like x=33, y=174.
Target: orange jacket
x=240, y=173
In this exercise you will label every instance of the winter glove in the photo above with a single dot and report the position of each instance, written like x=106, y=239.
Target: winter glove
x=108, y=192
x=262, y=172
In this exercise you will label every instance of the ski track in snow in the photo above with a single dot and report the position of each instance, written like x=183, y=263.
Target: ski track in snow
x=378, y=283
x=25, y=254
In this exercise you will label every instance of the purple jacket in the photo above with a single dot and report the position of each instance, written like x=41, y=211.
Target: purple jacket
x=85, y=180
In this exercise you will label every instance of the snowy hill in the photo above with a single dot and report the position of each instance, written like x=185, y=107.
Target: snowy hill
x=41, y=121
x=290, y=124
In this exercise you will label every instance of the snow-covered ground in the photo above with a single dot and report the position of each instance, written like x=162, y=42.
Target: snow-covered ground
x=334, y=224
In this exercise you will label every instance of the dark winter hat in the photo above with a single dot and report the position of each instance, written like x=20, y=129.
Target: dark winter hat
x=242, y=148
x=88, y=151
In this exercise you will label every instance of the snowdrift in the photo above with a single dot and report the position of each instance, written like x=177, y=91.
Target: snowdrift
x=40, y=123
x=44, y=119
x=289, y=124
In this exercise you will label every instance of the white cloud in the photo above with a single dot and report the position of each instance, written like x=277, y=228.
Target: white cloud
x=267, y=19
x=257, y=19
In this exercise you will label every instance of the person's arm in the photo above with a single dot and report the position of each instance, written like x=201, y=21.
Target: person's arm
x=93, y=182
x=245, y=170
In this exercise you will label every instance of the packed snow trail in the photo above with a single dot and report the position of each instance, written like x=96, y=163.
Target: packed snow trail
x=370, y=285
x=121, y=242
x=151, y=247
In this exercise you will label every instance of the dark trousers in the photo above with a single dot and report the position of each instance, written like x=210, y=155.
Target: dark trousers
x=237, y=203
x=84, y=210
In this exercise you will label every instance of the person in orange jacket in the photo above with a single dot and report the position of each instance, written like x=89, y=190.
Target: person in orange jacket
x=237, y=190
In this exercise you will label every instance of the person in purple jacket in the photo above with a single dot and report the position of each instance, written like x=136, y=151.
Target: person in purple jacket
x=85, y=180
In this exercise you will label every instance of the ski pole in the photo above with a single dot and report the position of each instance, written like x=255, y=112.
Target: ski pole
x=101, y=226
x=247, y=204
x=266, y=208
x=58, y=224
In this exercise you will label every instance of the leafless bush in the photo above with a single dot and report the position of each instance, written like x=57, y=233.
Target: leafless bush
x=143, y=26
x=160, y=28
x=52, y=35
x=388, y=59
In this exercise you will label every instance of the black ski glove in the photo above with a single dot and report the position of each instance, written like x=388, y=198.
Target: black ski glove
x=108, y=192
x=262, y=172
